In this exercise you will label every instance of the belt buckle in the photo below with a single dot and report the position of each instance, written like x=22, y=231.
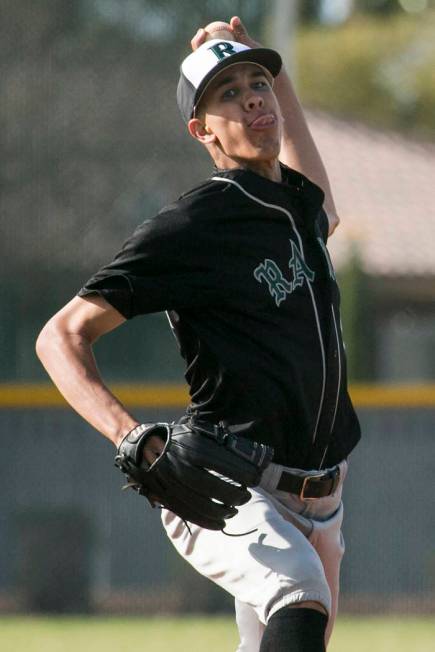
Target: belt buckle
x=333, y=475
x=308, y=479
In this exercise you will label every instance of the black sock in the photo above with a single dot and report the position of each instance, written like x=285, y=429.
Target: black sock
x=295, y=630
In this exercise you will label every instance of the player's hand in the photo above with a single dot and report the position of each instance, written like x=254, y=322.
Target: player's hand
x=193, y=464
x=198, y=39
x=153, y=449
x=237, y=27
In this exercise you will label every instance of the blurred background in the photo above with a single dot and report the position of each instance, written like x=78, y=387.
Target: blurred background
x=92, y=144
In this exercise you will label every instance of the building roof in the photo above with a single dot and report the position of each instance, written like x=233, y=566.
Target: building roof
x=384, y=189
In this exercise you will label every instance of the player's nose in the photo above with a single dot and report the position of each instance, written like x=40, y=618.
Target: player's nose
x=253, y=101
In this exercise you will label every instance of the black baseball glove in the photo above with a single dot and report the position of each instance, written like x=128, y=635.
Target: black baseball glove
x=201, y=475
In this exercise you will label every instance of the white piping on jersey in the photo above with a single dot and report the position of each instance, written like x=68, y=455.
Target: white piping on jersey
x=316, y=313
x=171, y=324
x=339, y=368
x=338, y=383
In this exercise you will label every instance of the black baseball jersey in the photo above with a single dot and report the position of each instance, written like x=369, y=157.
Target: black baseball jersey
x=240, y=265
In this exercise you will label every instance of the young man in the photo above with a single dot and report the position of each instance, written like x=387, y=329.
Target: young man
x=241, y=267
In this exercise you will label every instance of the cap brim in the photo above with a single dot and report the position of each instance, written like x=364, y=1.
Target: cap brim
x=264, y=57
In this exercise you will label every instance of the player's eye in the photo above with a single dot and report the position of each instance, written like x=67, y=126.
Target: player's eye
x=229, y=94
x=260, y=84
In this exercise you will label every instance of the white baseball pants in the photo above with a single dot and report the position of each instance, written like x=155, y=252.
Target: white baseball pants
x=293, y=555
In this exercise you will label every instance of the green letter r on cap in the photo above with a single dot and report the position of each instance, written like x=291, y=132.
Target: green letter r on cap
x=222, y=50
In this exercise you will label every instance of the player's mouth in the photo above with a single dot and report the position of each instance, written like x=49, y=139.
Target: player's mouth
x=264, y=121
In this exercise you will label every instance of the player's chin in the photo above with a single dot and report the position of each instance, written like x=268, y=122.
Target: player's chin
x=257, y=149
x=266, y=144
x=266, y=150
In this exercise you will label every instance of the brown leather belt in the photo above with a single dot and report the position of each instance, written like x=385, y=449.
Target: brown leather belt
x=310, y=487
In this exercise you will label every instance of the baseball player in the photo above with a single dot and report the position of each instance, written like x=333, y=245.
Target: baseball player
x=240, y=264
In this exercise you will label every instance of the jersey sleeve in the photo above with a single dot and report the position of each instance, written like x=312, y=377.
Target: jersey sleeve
x=155, y=270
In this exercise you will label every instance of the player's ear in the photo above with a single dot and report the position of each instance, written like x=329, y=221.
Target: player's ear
x=200, y=131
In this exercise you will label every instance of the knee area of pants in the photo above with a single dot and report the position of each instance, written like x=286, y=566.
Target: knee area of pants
x=297, y=601
x=314, y=588
x=282, y=588
x=303, y=610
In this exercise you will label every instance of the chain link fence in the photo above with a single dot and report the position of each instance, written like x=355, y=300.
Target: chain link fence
x=71, y=540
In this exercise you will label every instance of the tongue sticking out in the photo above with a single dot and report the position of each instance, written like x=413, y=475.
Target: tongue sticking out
x=263, y=121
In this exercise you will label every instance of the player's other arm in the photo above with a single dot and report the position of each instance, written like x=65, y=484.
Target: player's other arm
x=298, y=149
x=64, y=347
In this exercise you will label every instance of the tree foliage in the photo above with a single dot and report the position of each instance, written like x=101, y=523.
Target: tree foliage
x=379, y=72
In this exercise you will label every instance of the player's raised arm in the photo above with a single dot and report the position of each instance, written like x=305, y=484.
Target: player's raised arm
x=298, y=149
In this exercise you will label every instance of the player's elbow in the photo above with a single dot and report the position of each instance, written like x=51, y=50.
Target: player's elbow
x=52, y=338
x=333, y=221
x=46, y=339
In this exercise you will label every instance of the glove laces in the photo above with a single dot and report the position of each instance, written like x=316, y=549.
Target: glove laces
x=241, y=534
x=227, y=534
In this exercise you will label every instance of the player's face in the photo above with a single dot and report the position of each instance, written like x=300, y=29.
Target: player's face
x=241, y=110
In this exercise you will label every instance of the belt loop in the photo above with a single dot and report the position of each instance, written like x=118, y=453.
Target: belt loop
x=277, y=471
x=271, y=476
x=336, y=477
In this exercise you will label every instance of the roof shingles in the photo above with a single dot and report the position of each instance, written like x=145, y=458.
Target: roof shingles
x=384, y=189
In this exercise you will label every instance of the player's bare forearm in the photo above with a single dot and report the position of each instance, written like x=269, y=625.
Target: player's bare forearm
x=298, y=149
x=66, y=353
x=69, y=360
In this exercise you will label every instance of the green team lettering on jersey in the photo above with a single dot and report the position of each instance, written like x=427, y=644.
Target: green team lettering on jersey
x=278, y=286
x=300, y=269
x=222, y=50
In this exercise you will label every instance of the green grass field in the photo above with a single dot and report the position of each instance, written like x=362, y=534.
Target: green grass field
x=21, y=634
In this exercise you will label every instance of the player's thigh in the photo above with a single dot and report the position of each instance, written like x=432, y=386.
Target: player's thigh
x=269, y=568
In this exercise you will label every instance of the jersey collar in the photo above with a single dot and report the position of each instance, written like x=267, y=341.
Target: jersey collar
x=306, y=198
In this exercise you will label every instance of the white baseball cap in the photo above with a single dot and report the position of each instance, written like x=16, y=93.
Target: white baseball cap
x=202, y=65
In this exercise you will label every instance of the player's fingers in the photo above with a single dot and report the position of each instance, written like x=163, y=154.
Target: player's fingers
x=153, y=449
x=198, y=39
x=241, y=33
x=238, y=27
